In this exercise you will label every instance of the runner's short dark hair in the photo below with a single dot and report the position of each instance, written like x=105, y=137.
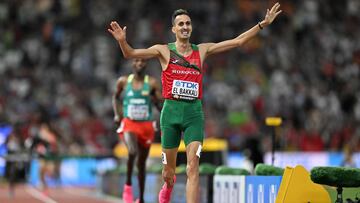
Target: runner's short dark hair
x=177, y=13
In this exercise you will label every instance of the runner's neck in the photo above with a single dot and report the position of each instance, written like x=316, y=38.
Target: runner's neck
x=183, y=48
x=139, y=77
x=138, y=81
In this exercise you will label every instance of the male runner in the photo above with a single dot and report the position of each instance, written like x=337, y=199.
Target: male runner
x=14, y=160
x=182, y=74
x=45, y=146
x=134, y=112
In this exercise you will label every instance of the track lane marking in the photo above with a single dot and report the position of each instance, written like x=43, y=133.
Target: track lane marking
x=38, y=195
x=85, y=193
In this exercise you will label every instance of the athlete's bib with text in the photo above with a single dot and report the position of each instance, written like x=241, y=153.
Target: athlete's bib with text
x=185, y=90
x=138, y=112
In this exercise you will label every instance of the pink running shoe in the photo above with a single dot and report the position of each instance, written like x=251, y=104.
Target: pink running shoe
x=45, y=192
x=165, y=193
x=127, y=194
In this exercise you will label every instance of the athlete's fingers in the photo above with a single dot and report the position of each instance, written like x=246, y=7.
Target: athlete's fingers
x=276, y=9
x=277, y=13
x=275, y=6
x=112, y=32
x=114, y=25
x=117, y=25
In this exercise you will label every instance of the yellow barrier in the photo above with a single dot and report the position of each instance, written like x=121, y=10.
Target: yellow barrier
x=297, y=187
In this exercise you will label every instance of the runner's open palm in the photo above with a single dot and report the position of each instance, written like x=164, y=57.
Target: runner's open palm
x=117, y=32
x=272, y=13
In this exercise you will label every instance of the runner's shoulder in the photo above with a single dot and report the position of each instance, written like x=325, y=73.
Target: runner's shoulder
x=159, y=47
x=122, y=79
x=205, y=46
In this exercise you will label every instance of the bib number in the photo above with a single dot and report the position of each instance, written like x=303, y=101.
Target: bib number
x=185, y=90
x=138, y=112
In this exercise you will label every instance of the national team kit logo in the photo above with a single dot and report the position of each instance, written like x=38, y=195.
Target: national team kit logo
x=185, y=90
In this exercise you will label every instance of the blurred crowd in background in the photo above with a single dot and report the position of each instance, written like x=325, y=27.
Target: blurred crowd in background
x=58, y=65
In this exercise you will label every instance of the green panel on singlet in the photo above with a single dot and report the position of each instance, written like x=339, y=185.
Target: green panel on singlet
x=172, y=47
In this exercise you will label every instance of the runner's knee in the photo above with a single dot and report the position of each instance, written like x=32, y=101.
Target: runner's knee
x=192, y=168
x=132, y=150
x=131, y=143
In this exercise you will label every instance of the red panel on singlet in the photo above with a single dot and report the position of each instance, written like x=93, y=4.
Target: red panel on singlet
x=188, y=80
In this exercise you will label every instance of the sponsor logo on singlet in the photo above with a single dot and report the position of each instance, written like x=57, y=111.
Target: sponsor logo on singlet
x=173, y=61
x=185, y=90
x=130, y=93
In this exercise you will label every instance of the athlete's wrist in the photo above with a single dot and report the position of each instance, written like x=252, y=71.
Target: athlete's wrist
x=262, y=24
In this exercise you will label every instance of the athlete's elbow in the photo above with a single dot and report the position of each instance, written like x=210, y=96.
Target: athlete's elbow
x=241, y=42
x=127, y=55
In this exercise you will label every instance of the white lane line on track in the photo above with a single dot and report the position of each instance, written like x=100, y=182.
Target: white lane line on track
x=38, y=195
x=93, y=195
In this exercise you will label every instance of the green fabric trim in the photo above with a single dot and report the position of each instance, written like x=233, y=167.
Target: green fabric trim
x=194, y=47
x=172, y=46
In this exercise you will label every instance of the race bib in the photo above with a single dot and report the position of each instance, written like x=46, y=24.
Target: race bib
x=185, y=90
x=138, y=112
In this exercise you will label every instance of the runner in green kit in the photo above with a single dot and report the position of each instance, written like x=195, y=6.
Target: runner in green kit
x=132, y=103
x=182, y=74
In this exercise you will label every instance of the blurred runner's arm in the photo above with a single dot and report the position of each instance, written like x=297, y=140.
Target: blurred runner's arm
x=214, y=48
x=116, y=101
x=156, y=93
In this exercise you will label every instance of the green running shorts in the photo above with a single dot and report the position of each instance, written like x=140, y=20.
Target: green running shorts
x=179, y=117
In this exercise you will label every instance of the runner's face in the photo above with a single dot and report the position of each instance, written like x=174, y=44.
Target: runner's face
x=139, y=65
x=182, y=27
